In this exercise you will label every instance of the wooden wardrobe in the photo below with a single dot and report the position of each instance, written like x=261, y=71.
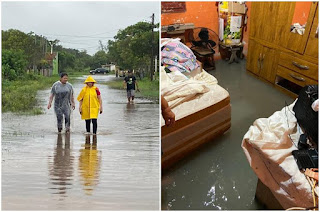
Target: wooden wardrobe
x=287, y=60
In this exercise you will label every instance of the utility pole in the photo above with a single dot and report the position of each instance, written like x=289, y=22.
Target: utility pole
x=51, y=44
x=151, y=67
x=45, y=47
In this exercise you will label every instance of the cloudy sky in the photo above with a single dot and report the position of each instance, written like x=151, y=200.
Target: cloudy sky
x=78, y=25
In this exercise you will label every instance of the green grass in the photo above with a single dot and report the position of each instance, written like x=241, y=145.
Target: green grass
x=19, y=96
x=148, y=89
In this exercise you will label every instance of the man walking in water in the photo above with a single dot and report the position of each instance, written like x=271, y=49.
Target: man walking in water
x=130, y=83
x=62, y=92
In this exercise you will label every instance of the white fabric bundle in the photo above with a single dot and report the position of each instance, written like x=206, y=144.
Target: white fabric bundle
x=268, y=148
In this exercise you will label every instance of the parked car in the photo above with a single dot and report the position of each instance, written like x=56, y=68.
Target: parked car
x=99, y=71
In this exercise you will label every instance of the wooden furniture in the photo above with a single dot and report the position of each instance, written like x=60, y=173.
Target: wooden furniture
x=265, y=196
x=177, y=31
x=231, y=51
x=190, y=132
x=287, y=60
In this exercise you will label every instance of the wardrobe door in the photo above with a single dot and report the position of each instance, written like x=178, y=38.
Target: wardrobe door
x=268, y=61
x=263, y=20
x=294, y=13
x=254, y=57
x=312, y=44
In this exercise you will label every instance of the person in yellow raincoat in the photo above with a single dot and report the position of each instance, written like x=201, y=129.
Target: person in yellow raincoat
x=90, y=104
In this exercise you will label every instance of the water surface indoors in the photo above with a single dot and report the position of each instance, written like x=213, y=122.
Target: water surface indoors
x=218, y=176
x=117, y=169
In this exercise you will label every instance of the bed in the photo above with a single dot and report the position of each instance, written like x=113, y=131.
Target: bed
x=199, y=119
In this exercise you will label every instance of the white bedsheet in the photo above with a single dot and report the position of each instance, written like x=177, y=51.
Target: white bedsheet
x=268, y=148
x=209, y=93
x=176, y=88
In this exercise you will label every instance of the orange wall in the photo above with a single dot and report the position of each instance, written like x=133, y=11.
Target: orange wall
x=202, y=14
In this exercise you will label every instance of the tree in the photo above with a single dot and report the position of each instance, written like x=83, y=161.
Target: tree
x=82, y=61
x=131, y=48
x=72, y=59
x=66, y=61
x=33, y=46
x=13, y=64
x=98, y=59
x=101, y=46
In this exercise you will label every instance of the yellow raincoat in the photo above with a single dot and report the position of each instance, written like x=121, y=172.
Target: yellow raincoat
x=90, y=102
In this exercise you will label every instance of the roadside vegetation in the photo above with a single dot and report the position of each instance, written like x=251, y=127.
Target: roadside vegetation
x=148, y=89
x=19, y=96
x=25, y=56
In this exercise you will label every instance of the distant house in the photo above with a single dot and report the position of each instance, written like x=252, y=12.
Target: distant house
x=49, y=65
x=110, y=67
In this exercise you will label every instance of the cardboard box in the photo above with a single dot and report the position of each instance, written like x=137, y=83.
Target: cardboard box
x=234, y=7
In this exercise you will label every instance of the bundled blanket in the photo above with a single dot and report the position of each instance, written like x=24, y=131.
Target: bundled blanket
x=268, y=145
x=176, y=88
x=177, y=57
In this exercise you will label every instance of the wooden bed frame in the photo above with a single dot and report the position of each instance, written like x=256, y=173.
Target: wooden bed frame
x=190, y=132
x=266, y=197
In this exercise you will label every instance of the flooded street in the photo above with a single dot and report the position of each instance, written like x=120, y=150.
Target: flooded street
x=118, y=169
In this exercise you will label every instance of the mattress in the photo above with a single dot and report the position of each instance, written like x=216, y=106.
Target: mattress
x=198, y=121
x=216, y=96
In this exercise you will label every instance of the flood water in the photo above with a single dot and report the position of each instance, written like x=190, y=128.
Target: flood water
x=118, y=169
x=217, y=176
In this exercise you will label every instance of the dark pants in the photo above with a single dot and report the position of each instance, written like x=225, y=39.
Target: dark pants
x=94, y=123
x=60, y=113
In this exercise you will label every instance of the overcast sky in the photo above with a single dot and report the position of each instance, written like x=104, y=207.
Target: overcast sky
x=78, y=25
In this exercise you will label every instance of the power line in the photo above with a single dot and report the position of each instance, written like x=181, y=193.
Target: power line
x=103, y=33
x=89, y=47
x=93, y=36
x=73, y=39
x=80, y=36
x=97, y=45
x=81, y=43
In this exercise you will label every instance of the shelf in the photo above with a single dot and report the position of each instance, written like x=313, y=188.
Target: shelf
x=287, y=85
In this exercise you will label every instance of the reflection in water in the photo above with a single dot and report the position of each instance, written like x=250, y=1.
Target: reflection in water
x=89, y=164
x=130, y=107
x=61, y=169
x=130, y=112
